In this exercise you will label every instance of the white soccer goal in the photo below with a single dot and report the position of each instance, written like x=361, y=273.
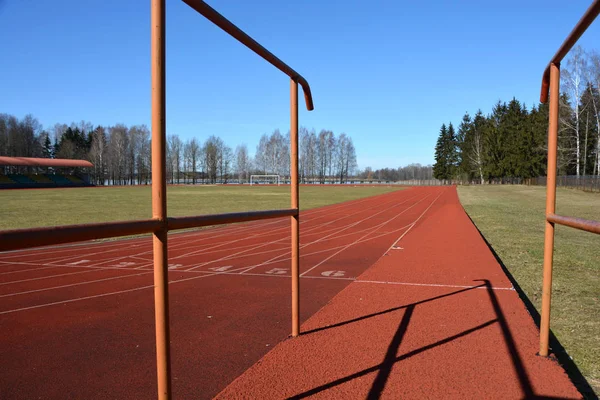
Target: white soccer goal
x=265, y=179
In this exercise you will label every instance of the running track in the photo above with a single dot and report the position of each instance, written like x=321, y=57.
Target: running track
x=78, y=321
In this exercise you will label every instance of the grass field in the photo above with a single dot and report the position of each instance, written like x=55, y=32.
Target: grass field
x=512, y=220
x=48, y=207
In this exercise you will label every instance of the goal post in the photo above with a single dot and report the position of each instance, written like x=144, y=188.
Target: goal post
x=265, y=178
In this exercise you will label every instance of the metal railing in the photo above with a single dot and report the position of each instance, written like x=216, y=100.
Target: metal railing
x=160, y=224
x=550, y=85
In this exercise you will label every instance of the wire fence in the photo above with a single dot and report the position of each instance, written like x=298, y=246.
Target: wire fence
x=588, y=183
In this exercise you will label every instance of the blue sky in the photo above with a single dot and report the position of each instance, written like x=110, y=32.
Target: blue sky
x=387, y=73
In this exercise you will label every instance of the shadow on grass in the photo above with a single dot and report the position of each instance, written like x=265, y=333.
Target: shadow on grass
x=385, y=367
x=555, y=346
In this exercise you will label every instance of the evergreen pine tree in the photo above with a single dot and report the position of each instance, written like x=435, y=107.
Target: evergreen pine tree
x=47, y=149
x=464, y=140
x=451, y=152
x=495, y=142
x=440, y=168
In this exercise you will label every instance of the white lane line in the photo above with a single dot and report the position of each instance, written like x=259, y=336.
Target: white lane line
x=304, y=232
x=108, y=268
x=373, y=281
x=329, y=249
x=362, y=237
x=178, y=236
x=248, y=228
x=433, y=285
x=180, y=240
x=184, y=245
x=103, y=294
x=253, y=225
x=341, y=230
x=285, y=256
x=45, y=277
x=24, y=270
x=245, y=254
x=265, y=244
x=414, y=223
x=103, y=252
x=74, y=284
x=69, y=247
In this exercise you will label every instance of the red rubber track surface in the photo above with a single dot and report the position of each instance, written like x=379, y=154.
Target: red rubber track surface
x=435, y=318
x=78, y=321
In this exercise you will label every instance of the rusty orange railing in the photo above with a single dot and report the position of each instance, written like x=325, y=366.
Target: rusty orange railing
x=160, y=224
x=551, y=84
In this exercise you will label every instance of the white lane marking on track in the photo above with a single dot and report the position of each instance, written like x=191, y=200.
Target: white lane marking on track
x=78, y=253
x=333, y=273
x=219, y=269
x=286, y=248
x=123, y=264
x=341, y=230
x=277, y=271
x=138, y=242
x=259, y=226
x=362, y=237
x=103, y=294
x=108, y=268
x=24, y=270
x=329, y=249
x=414, y=223
x=54, y=250
x=432, y=285
x=62, y=259
x=79, y=262
x=190, y=244
x=376, y=282
x=74, y=284
x=318, y=227
x=45, y=277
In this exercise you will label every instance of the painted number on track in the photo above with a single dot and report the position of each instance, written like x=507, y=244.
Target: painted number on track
x=277, y=271
x=221, y=269
x=124, y=264
x=333, y=273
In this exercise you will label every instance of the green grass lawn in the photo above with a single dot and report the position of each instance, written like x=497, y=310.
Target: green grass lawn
x=49, y=207
x=512, y=220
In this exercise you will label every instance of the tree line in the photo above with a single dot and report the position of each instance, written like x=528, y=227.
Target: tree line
x=121, y=154
x=407, y=173
x=512, y=142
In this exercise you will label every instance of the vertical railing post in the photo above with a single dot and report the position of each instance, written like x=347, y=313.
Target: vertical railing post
x=550, y=208
x=159, y=199
x=295, y=203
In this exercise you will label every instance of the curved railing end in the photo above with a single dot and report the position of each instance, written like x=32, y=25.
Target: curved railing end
x=545, y=85
x=307, y=93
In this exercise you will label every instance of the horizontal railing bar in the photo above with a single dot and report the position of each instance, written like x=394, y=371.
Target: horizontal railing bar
x=228, y=218
x=19, y=239
x=577, y=223
x=585, y=21
x=212, y=15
